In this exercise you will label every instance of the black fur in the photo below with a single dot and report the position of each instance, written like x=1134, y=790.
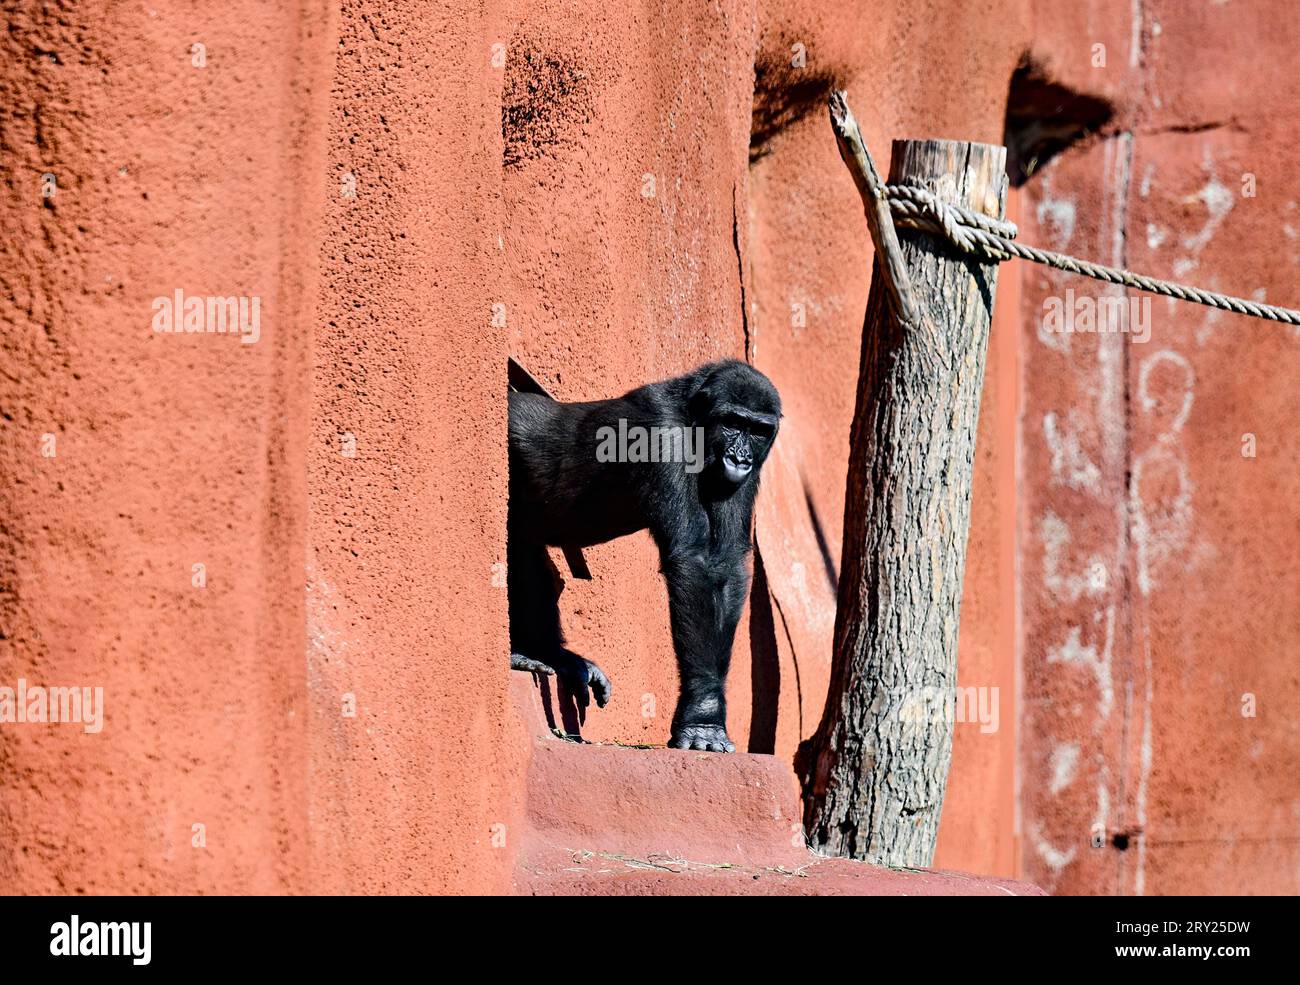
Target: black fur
x=563, y=494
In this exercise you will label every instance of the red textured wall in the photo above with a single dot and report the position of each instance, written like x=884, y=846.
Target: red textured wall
x=420, y=791
x=1139, y=683
x=664, y=190
x=170, y=451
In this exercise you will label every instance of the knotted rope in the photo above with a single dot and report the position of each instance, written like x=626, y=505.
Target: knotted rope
x=993, y=239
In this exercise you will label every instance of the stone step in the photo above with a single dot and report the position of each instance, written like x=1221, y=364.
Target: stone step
x=605, y=819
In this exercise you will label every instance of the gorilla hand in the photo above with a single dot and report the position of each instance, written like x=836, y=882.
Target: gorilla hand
x=577, y=673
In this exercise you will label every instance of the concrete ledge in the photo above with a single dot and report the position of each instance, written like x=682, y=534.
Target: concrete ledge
x=737, y=807
x=564, y=873
x=726, y=808
x=631, y=821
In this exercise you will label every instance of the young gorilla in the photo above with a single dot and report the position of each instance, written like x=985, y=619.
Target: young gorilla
x=564, y=491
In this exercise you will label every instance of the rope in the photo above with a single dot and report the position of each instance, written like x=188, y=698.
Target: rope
x=971, y=232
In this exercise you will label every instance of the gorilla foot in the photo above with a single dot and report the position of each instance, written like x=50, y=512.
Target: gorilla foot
x=707, y=738
x=578, y=674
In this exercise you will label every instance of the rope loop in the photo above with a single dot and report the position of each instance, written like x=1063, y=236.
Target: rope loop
x=994, y=240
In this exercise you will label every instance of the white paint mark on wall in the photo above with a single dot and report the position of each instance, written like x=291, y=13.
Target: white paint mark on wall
x=1135, y=34
x=1218, y=201
x=1150, y=403
x=1064, y=762
x=1144, y=775
x=1055, y=859
x=1117, y=178
x=1161, y=530
x=1067, y=586
x=1057, y=217
x=1070, y=463
x=1074, y=653
x=1101, y=820
x=1107, y=395
x=1159, y=534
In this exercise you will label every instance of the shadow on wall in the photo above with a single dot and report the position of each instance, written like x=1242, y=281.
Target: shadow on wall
x=1044, y=118
x=764, y=663
x=785, y=91
x=832, y=576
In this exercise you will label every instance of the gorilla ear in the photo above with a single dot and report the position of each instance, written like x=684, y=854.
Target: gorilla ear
x=700, y=405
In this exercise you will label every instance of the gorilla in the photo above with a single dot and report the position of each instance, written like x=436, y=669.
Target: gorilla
x=680, y=458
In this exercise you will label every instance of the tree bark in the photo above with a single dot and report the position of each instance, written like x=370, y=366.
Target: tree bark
x=875, y=771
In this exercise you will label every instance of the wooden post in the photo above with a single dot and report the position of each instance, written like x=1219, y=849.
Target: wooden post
x=874, y=773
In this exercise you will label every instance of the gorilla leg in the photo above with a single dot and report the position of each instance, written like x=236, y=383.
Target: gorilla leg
x=536, y=642
x=705, y=598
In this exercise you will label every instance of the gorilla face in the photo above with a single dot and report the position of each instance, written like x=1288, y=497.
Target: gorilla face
x=741, y=444
x=741, y=412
